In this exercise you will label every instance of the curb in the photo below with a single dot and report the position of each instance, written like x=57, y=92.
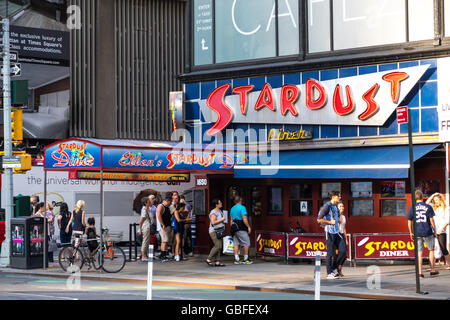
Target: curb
x=237, y=287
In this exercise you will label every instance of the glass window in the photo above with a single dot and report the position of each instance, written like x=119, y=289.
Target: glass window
x=447, y=18
x=256, y=201
x=361, y=189
x=421, y=14
x=231, y=193
x=244, y=30
x=301, y=207
x=361, y=208
x=428, y=187
x=300, y=191
x=393, y=208
x=275, y=201
x=288, y=31
x=326, y=188
x=392, y=189
x=375, y=22
x=318, y=25
x=203, y=40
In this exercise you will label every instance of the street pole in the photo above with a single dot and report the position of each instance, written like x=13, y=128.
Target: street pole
x=413, y=198
x=8, y=175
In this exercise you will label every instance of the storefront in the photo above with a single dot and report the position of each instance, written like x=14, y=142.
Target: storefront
x=318, y=131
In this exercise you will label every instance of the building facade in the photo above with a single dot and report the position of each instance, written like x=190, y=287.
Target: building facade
x=319, y=81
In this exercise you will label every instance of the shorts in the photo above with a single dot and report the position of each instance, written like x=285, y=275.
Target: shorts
x=241, y=238
x=166, y=234
x=429, y=241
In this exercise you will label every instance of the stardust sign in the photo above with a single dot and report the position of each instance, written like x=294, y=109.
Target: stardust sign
x=384, y=246
x=306, y=245
x=365, y=100
x=270, y=243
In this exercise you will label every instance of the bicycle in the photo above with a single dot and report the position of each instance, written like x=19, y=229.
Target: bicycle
x=110, y=258
x=297, y=228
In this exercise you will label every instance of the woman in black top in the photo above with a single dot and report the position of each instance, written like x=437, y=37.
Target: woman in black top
x=63, y=223
x=79, y=224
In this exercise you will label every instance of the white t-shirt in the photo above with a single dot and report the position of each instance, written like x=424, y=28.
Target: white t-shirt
x=151, y=214
x=342, y=222
x=441, y=218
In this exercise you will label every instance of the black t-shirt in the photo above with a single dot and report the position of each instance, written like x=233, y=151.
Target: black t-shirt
x=166, y=216
x=65, y=218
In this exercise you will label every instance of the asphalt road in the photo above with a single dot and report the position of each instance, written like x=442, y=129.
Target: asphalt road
x=27, y=287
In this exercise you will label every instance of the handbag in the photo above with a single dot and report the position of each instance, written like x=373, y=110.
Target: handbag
x=220, y=233
x=234, y=228
x=52, y=246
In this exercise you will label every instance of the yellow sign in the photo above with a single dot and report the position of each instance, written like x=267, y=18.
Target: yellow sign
x=134, y=176
x=282, y=135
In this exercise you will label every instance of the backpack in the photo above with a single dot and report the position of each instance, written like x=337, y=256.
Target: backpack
x=92, y=244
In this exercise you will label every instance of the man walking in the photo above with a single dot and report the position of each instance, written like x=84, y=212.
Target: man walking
x=426, y=230
x=241, y=238
x=329, y=216
x=164, y=225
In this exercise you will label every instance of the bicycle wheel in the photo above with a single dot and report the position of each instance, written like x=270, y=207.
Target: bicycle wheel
x=97, y=260
x=70, y=257
x=113, y=259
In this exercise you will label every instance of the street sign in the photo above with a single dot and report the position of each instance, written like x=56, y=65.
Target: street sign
x=16, y=70
x=13, y=56
x=402, y=115
x=13, y=162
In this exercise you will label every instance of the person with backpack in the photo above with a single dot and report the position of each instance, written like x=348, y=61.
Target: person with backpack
x=92, y=236
x=164, y=226
x=329, y=216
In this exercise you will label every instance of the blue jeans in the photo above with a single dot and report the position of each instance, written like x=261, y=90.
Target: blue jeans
x=334, y=241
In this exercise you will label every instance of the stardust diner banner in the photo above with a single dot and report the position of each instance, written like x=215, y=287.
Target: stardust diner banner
x=79, y=154
x=385, y=246
x=271, y=243
x=306, y=245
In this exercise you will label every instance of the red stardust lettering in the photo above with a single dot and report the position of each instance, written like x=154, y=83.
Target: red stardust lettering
x=265, y=98
x=289, y=95
x=372, y=106
x=227, y=162
x=216, y=103
x=337, y=101
x=243, y=91
x=394, y=78
x=63, y=158
x=320, y=101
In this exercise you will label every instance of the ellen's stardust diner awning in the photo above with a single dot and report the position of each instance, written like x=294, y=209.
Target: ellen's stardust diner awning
x=137, y=160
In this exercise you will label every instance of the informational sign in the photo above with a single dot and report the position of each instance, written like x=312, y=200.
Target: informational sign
x=13, y=162
x=402, y=115
x=130, y=176
x=306, y=245
x=40, y=46
x=203, y=27
x=271, y=243
x=443, y=66
x=13, y=56
x=72, y=154
x=201, y=182
x=364, y=100
x=385, y=246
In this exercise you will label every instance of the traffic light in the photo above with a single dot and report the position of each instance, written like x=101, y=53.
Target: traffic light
x=25, y=163
x=16, y=125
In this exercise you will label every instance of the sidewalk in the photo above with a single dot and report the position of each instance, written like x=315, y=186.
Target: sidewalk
x=269, y=274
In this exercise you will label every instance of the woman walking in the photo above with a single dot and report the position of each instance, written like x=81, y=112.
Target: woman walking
x=441, y=219
x=63, y=223
x=343, y=234
x=216, y=218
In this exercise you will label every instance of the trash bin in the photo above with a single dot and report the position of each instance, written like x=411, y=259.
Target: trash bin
x=22, y=207
x=27, y=243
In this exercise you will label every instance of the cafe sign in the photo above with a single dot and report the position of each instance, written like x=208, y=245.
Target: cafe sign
x=363, y=100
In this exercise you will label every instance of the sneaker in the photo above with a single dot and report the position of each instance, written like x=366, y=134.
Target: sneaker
x=333, y=276
x=177, y=258
x=434, y=273
x=144, y=259
x=165, y=259
x=238, y=262
x=247, y=262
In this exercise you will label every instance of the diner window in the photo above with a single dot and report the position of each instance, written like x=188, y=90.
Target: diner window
x=358, y=205
x=327, y=187
x=356, y=23
x=275, y=201
x=231, y=193
x=240, y=30
x=361, y=189
x=300, y=200
x=361, y=208
x=256, y=201
x=428, y=187
x=395, y=206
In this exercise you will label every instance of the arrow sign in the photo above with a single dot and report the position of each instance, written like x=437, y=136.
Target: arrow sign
x=15, y=70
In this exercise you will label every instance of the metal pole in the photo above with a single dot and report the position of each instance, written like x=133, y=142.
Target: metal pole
x=101, y=212
x=317, y=276
x=150, y=272
x=45, y=220
x=413, y=198
x=8, y=175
